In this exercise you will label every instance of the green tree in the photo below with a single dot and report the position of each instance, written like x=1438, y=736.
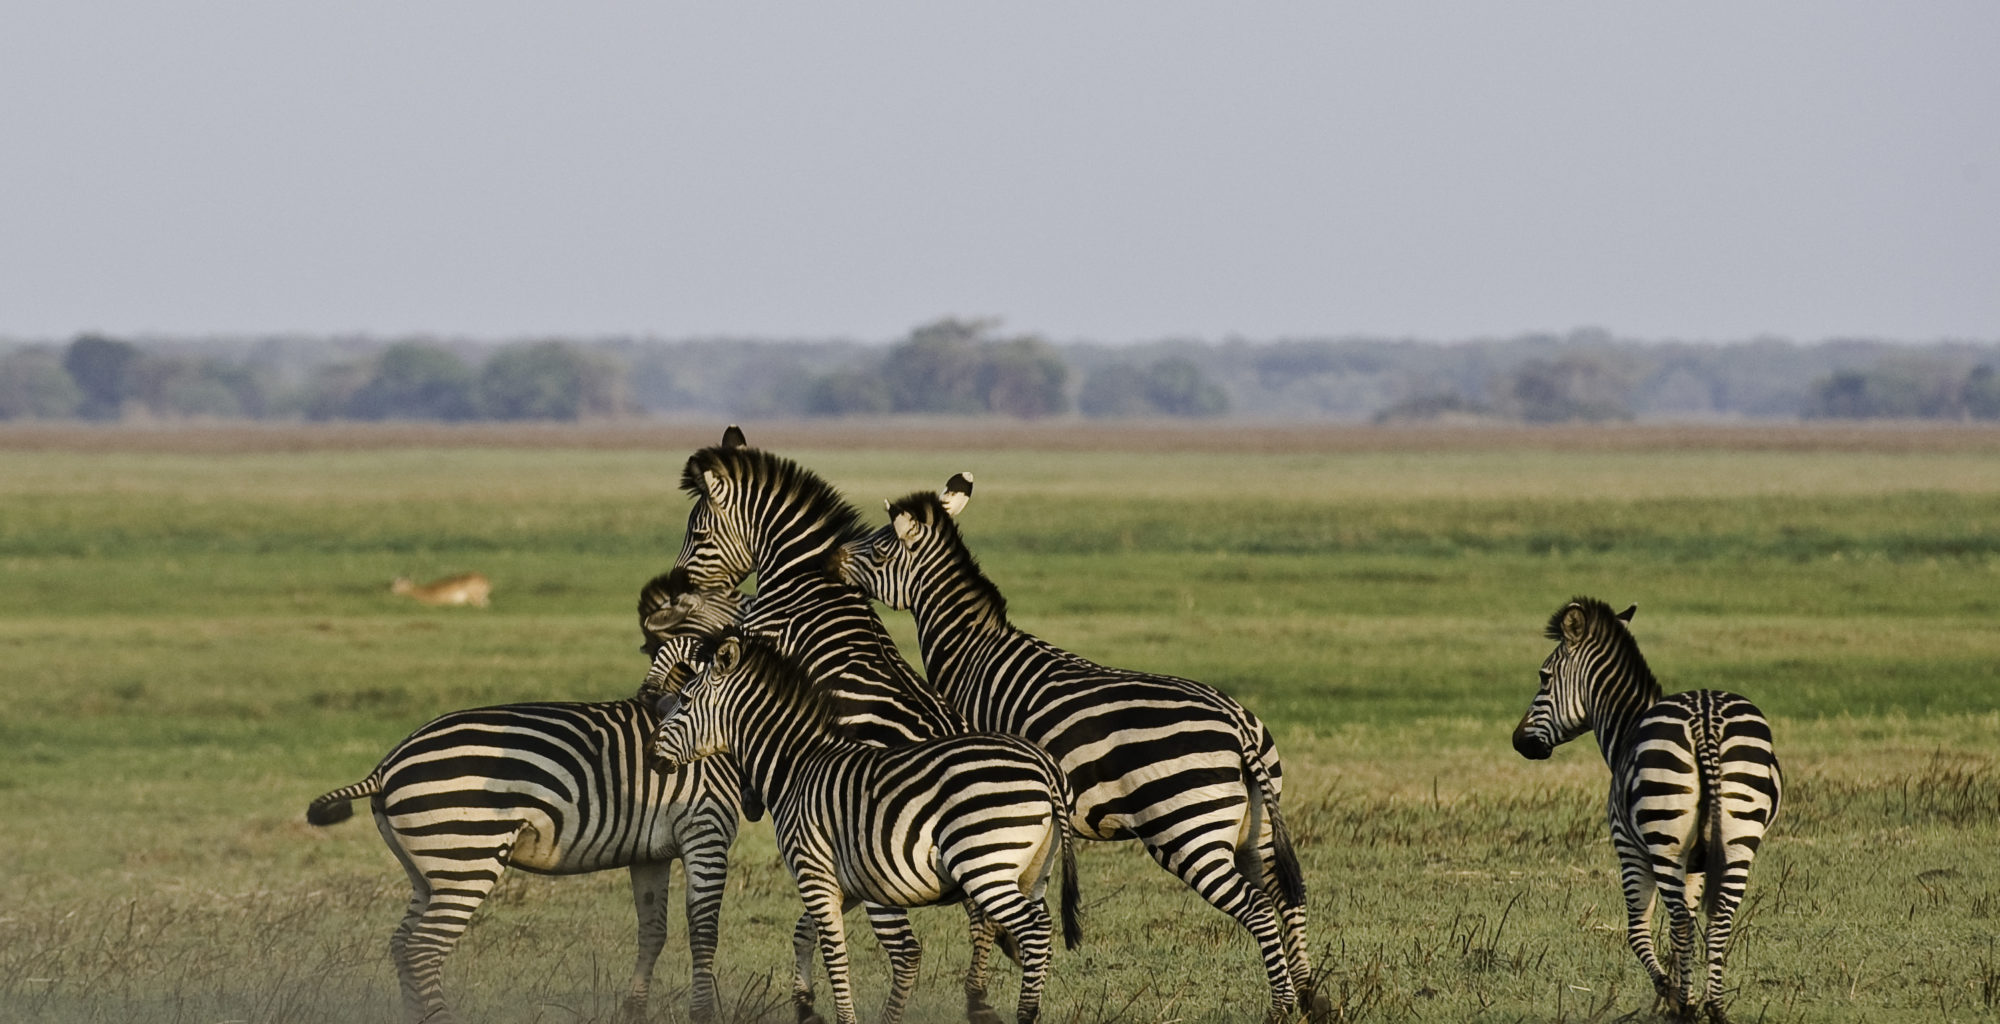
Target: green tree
x=1575, y=387
x=1174, y=386
x=1177, y=387
x=937, y=369
x=848, y=392
x=103, y=369
x=548, y=380
x=34, y=385
x=1022, y=377
x=956, y=366
x=417, y=381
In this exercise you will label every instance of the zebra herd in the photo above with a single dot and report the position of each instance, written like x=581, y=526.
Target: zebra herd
x=972, y=782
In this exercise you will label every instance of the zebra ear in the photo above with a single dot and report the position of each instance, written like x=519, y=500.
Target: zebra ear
x=733, y=437
x=727, y=654
x=957, y=491
x=1626, y=615
x=907, y=529
x=665, y=619
x=711, y=484
x=1573, y=623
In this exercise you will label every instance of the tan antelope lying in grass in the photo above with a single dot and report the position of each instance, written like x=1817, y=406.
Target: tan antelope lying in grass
x=466, y=588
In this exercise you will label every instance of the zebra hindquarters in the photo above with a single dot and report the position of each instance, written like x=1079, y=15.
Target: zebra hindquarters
x=1657, y=827
x=448, y=883
x=1741, y=797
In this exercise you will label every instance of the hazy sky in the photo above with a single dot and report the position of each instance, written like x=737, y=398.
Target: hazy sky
x=1082, y=169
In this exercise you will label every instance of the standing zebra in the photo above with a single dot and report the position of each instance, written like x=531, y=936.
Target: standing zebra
x=1694, y=786
x=1170, y=762
x=758, y=513
x=560, y=789
x=976, y=817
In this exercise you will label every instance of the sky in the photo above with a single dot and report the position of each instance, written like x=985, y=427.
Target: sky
x=1108, y=171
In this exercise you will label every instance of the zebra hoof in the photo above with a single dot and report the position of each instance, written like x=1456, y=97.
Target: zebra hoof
x=982, y=1014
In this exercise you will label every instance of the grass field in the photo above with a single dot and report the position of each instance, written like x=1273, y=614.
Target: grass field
x=196, y=638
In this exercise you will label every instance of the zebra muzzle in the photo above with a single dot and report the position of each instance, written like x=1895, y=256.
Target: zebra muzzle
x=1530, y=746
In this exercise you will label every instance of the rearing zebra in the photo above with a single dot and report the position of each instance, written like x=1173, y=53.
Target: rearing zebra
x=561, y=789
x=1694, y=786
x=977, y=817
x=1170, y=762
x=757, y=512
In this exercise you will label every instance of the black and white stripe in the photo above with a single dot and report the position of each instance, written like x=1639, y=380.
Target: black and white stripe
x=555, y=788
x=756, y=512
x=974, y=817
x=1694, y=786
x=1170, y=762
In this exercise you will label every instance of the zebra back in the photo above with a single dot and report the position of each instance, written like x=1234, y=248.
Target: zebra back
x=1102, y=723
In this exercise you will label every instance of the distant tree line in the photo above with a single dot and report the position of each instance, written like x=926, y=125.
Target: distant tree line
x=1899, y=390
x=953, y=367
x=100, y=378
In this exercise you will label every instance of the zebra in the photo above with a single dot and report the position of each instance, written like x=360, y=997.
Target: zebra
x=560, y=789
x=756, y=512
x=1171, y=762
x=975, y=817
x=1694, y=786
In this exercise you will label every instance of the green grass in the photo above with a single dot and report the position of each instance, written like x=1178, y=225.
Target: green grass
x=193, y=646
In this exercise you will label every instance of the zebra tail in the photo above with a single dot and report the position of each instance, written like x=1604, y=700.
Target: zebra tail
x=1716, y=862
x=1291, y=878
x=1072, y=899
x=336, y=806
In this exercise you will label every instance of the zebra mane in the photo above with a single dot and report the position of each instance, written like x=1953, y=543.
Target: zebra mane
x=1604, y=626
x=792, y=485
x=927, y=508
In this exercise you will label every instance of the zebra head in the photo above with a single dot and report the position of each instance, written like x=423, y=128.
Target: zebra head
x=889, y=563
x=1571, y=674
x=671, y=605
x=690, y=714
x=753, y=508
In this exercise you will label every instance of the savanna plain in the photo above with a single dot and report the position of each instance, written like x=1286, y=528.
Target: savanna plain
x=197, y=637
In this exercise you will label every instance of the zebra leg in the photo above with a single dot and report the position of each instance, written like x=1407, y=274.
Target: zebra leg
x=444, y=901
x=892, y=930
x=823, y=907
x=1681, y=920
x=1720, y=920
x=649, y=902
x=1292, y=923
x=983, y=932
x=705, y=859
x=1209, y=868
x=1635, y=879
x=1027, y=923
x=805, y=947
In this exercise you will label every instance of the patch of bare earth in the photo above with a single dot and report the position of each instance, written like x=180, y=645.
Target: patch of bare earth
x=978, y=434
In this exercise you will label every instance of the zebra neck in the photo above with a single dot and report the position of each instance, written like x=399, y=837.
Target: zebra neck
x=956, y=621
x=776, y=740
x=1615, y=706
x=781, y=557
